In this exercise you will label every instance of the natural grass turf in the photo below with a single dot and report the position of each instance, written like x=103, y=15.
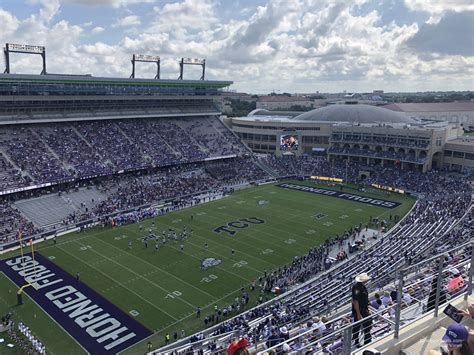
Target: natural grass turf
x=43, y=327
x=166, y=286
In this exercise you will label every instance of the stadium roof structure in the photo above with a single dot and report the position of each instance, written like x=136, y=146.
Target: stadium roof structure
x=354, y=114
x=432, y=107
x=265, y=112
x=89, y=79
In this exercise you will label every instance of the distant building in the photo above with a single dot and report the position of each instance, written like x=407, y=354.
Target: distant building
x=238, y=96
x=458, y=112
x=223, y=104
x=367, y=134
x=459, y=154
x=283, y=102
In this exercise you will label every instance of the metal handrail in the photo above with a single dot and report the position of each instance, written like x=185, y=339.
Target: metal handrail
x=385, y=310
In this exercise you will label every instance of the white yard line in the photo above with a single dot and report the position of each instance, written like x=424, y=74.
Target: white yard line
x=118, y=282
x=158, y=268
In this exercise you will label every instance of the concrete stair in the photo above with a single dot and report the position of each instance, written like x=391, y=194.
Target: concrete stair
x=266, y=168
x=430, y=341
x=16, y=167
x=65, y=165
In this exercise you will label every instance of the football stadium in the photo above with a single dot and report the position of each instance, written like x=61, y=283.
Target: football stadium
x=135, y=218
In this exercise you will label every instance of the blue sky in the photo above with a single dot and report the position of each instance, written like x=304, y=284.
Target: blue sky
x=293, y=46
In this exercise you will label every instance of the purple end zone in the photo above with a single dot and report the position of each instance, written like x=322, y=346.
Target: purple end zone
x=340, y=194
x=98, y=325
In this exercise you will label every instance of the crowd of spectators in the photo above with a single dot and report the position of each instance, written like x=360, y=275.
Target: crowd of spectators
x=427, y=228
x=291, y=165
x=143, y=188
x=380, y=154
x=74, y=151
x=309, y=165
x=237, y=171
x=68, y=151
x=380, y=140
x=31, y=155
x=135, y=191
x=307, y=310
x=213, y=136
x=11, y=178
x=12, y=221
x=444, y=200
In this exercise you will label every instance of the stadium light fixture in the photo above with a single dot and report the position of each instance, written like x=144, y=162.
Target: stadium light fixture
x=148, y=59
x=191, y=61
x=26, y=49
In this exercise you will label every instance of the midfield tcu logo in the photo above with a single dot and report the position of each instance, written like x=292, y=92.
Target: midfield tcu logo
x=240, y=224
x=208, y=262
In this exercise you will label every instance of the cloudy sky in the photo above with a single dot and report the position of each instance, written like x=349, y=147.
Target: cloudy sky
x=261, y=45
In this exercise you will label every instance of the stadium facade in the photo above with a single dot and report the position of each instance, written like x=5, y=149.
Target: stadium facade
x=68, y=129
x=56, y=98
x=363, y=133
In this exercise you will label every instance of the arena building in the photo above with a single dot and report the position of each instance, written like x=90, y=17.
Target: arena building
x=366, y=133
x=456, y=112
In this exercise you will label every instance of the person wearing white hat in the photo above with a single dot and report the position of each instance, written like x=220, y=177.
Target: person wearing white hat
x=284, y=334
x=360, y=309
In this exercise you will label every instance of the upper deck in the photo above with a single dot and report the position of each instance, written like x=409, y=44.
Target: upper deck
x=60, y=84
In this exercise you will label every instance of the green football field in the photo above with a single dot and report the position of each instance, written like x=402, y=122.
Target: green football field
x=162, y=289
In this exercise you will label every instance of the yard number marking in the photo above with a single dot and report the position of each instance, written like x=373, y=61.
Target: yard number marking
x=240, y=264
x=210, y=278
x=173, y=294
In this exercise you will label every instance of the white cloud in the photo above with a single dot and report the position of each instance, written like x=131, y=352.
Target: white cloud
x=97, y=30
x=296, y=46
x=452, y=34
x=193, y=14
x=439, y=6
x=49, y=10
x=113, y=3
x=127, y=21
x=9, y=23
